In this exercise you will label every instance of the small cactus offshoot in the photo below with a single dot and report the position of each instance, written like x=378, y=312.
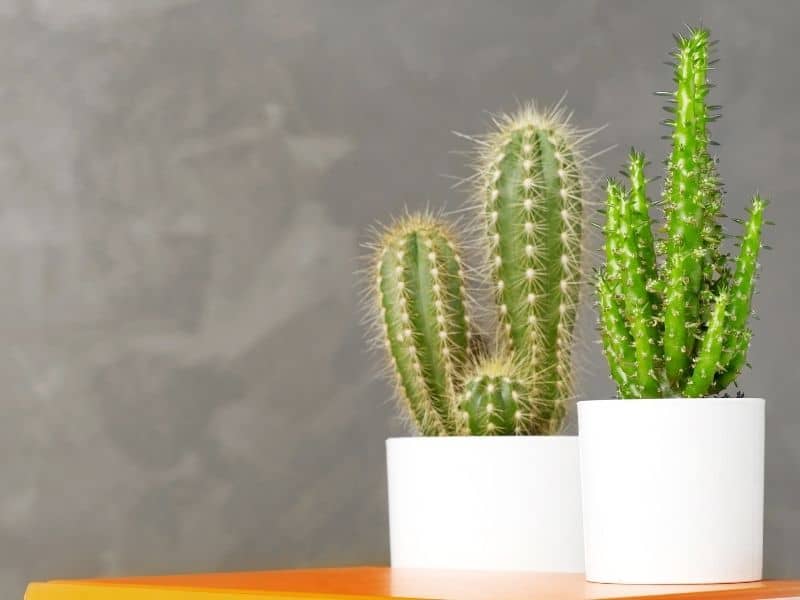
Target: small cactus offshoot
x=674, y=310
x=530, y=196
x=496, y=400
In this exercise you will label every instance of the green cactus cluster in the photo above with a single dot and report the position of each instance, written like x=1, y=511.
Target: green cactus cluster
x=674, y=308
x=530, y=208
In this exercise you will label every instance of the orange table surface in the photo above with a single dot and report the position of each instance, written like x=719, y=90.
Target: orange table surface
x=382, y=583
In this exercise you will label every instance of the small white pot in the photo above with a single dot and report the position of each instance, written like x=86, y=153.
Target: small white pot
x=673, y=489
x=509, y=503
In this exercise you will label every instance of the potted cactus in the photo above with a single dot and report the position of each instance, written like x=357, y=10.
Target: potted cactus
x=673, y=470
x=488, y=483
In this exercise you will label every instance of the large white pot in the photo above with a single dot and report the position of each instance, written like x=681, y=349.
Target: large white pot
x=485, y=503
x=673, y=489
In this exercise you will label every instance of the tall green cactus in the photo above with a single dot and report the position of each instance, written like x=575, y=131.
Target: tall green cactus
x=531, y=194
x=531, y=188
x=677, y=325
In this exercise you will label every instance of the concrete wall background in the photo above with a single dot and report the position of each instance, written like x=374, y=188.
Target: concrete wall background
x=184, y=184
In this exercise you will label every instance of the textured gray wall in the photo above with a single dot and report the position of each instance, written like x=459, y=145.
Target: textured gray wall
x=183, y=188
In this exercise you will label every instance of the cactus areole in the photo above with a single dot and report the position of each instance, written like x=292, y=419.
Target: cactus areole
x=674, y=308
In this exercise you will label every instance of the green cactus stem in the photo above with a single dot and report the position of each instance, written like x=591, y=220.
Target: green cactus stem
x=676, y=324
x=685, y=209
x=531, y=190
x=617, y=342
x=638, y=306
x=421, y=300
x=640, y=223
x=738, y=335
x=707, y=361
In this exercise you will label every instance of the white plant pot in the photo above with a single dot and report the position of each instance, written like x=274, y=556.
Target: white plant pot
x=673, y=489
x=485, y=503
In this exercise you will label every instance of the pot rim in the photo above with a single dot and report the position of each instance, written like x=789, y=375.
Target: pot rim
x=675, y=400
x=482, y=439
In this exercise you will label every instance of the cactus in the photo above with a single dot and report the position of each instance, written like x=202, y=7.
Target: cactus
x=673, y=313
x=496, y=400
x=531, y=189
x=420, y=289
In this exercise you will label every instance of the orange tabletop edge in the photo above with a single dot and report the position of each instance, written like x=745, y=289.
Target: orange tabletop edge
x=384, y=583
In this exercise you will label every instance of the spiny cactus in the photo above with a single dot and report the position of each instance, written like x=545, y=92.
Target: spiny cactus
x=420, y=289
x=673, y=314
x=496, y=400
x=530, y=191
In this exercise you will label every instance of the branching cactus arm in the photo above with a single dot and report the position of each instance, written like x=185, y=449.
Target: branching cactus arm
x=641, y=224
x=617, y=343
x=738, y=335
x=707, y=364
x=638, y=307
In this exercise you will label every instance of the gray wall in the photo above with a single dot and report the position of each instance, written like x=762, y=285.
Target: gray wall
x=184, y=184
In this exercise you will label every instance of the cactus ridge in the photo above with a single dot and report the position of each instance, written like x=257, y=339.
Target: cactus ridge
x=673, y=313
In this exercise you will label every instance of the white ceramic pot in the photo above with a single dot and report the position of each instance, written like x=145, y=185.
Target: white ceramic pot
x=673, y=489
x=509, y=503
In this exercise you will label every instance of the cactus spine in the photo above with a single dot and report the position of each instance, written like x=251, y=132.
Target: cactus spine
x=678, y=325
x=531, y=191
x=530, y=215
